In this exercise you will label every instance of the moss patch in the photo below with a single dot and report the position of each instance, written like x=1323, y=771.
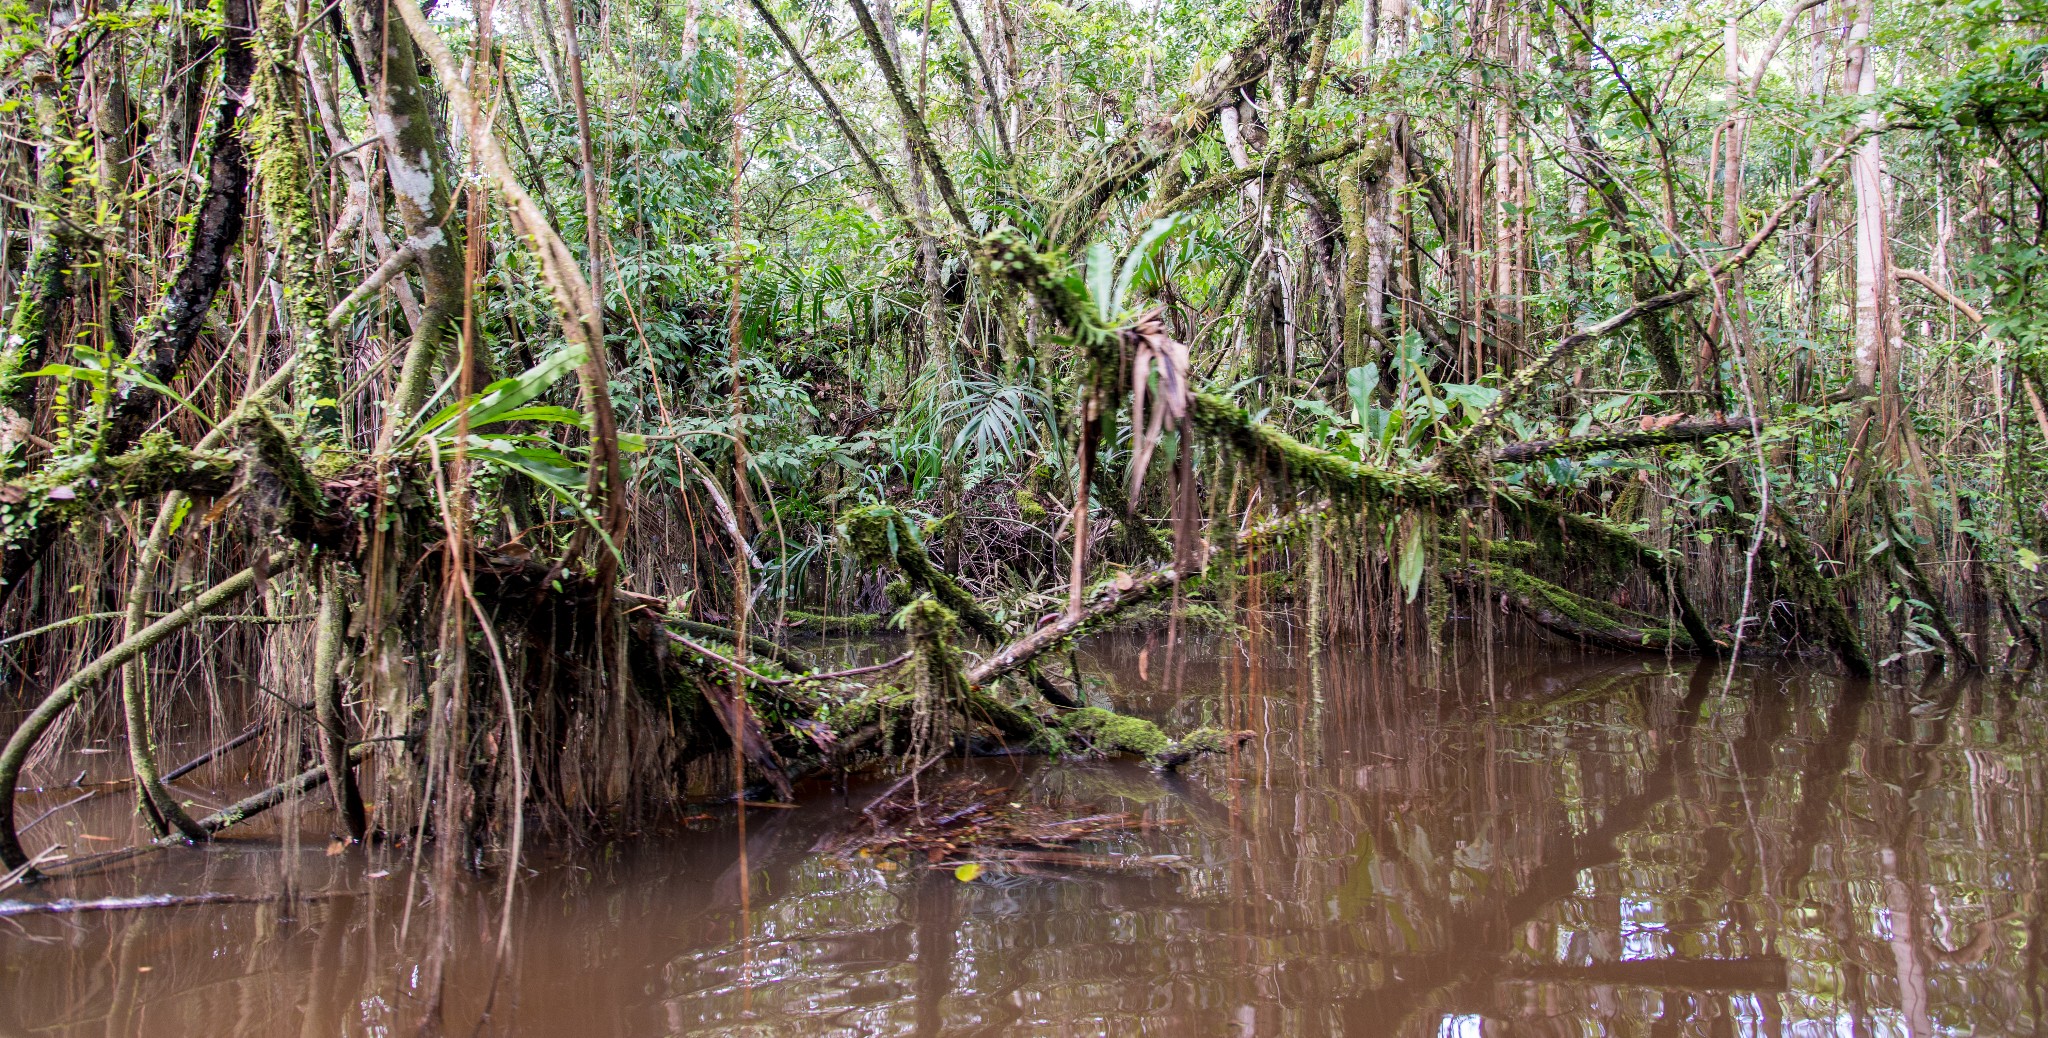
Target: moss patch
x=1109, y=732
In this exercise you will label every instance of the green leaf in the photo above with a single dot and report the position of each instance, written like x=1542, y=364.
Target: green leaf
x=1410, y=567
x=536, y=413
x=1475, y=398
x=178, y=514
x=1101, y=268
x=507, y=395
x=92, y=376
x=1359, y=384
x=1139, y=253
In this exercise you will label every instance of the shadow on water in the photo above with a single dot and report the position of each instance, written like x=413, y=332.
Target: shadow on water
x=1520, y=845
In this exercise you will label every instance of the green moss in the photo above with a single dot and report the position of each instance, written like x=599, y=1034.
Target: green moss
x=1520, y=553
x=1288, y=460
x=284, y=172
x=856, y=623
x=1109, y=732
x=297, y=494
x=1609, y=550
x=940, y=527
x=1567, y=613
x=334, y=462
x=1029, y=508
x=158, y=463
x=28, y=333
x=1006, y=256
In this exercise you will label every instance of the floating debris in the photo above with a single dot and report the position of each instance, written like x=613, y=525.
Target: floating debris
x=965, y=825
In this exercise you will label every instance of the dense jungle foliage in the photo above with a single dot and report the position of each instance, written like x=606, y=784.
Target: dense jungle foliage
x=502, y=413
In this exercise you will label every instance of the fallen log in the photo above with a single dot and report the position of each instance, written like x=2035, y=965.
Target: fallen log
x=1560, y=612
x=1623, y=439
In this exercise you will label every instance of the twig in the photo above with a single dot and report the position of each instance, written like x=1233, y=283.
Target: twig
x=203, y=759
x=80, y=799
x=897, y=787
x=68, y=906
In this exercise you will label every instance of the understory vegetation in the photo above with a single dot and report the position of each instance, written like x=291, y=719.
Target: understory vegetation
x=514, y=418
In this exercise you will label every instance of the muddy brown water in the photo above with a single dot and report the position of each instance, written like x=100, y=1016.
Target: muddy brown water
x=1527, y=844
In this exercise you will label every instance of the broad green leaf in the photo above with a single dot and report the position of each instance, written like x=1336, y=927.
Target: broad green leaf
x=1359, y=384
x=1411, y=564
x=1101, y=269
x=507, y=394
x=1133, y=262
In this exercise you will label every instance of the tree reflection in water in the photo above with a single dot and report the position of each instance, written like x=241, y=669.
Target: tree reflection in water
x=1566, y=846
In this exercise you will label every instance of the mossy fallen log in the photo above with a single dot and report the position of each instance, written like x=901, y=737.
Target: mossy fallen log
x=1562, y=612
x=827, y=623
x=1284, y=458
x=1107, y=732
x=1623, y=439
x=1567, y=528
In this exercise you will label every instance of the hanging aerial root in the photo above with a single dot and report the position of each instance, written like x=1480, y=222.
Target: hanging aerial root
x=1793, y=560
x=30, y=731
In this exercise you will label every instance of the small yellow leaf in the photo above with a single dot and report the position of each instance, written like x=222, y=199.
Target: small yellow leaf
x=967, y=872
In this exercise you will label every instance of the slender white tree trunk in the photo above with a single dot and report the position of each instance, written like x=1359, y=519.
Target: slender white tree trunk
x=1873, y=244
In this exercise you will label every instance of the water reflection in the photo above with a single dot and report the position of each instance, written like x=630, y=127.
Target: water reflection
x=1517, y=845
